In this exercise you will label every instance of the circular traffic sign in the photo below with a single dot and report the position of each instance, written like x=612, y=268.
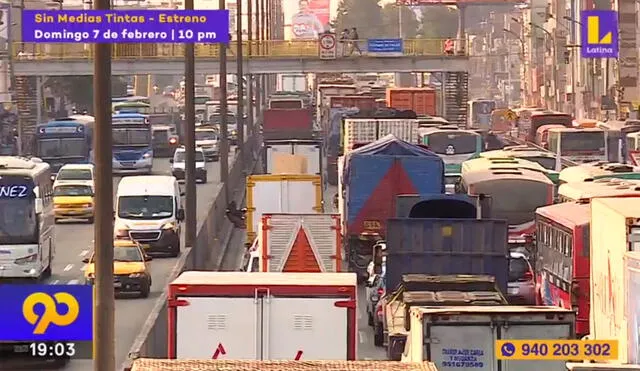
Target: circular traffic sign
x=327, y=41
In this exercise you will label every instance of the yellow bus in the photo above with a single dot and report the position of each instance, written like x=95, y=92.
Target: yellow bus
x=587, y=172
x=583, y=192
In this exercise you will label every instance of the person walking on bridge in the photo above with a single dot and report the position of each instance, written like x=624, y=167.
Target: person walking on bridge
x=353, y=36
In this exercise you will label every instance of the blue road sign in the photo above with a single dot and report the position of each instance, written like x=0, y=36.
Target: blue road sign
x=384, y=46
x=599, y=34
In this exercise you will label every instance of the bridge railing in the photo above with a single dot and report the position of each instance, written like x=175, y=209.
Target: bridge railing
x=254, y=49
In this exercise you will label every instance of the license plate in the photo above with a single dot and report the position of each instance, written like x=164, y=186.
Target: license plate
x=512, y=290
x=127, y=163
x=117, y=284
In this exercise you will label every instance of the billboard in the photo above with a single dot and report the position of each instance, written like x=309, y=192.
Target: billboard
x=599, y=34
x=308, y=18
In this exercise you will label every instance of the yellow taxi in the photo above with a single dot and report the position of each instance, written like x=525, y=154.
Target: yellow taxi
x=73, y=201
x=130, y=269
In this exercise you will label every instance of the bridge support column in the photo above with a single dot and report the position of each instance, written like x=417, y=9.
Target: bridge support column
x=142, y=85
x=461, y=37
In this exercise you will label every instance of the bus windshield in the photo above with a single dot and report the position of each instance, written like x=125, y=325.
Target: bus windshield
x=63, y=147
x=131, y=136
x=582, y=141
x=18, y=221
x=453, y=143
x=132, y=108
x=514, y=200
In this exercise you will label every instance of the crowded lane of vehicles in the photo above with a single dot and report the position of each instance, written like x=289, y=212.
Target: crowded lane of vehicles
x=132, y=143
x=453, y=145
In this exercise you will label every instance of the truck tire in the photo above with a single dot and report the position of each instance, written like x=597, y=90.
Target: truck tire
x=378, y=335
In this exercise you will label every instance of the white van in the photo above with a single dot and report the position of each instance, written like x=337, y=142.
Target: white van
x=149, y=210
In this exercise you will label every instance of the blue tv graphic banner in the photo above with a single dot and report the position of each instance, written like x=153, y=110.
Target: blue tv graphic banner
x=125, y=26
x=599, y=34
x=384, y=45
x=46, y=313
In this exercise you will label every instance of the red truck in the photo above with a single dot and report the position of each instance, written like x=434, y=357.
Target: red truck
x=287, y=124
x=420, y=100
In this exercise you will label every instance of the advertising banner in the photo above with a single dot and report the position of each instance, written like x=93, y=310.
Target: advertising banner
x=310, y=19
x=125, y=26
x=599, y=34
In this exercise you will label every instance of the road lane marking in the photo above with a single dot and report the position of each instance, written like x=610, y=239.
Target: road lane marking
x=72, y=282
x=68, y=267
x=361, y=337
x=84, y=252
x=54, y=282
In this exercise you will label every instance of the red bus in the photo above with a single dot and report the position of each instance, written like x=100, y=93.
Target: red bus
x=562, y=259
x=527, y=128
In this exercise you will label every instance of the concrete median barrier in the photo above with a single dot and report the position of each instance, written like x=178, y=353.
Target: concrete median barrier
x=207, y=254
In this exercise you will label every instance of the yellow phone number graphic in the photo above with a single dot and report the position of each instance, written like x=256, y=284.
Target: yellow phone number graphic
x=550, y=350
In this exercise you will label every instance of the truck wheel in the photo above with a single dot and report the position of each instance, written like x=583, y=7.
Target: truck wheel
x=378, y=335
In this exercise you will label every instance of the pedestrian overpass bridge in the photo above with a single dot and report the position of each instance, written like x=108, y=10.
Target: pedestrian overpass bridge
x=260, y=57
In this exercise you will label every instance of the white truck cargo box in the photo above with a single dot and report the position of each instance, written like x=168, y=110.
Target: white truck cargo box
x=359, y=131
x=284, y=193
x=463, y=338
x=300, y=243
x=311, y=150
x=615, y=231
x=262, y=316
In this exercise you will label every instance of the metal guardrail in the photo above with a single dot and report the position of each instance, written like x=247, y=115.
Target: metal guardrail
x=280, y=49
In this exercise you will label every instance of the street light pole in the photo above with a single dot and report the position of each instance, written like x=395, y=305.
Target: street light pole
x=224, y=129
x=553, y=59
x=522, y=58
x=104, y=301
x=190, y=139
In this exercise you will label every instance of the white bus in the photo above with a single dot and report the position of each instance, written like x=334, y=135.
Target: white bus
x=27, y=244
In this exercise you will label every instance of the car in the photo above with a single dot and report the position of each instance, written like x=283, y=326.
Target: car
x=75, y=173
x=178, y=164
x=207, y=138
x=73, y=200
x=375, y=289
x=521, y=289
x=131, y=272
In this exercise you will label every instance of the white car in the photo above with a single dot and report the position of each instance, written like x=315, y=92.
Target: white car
x=178, y=164
x=207, y=138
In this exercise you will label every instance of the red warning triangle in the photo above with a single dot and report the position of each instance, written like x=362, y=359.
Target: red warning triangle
x=301, y=257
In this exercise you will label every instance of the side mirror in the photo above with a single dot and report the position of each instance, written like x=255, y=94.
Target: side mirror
x=38, y=206
x=180, y=214
x=85, y=260
x=171, y=161
x=114, y=215
x=147, y=258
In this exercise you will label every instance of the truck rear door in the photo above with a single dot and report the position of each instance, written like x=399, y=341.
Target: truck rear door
x=461, y=347
x=312, y=153
x=297, y=197
x=308, y=328
x=275, y=148
x=219, y=328
x=536, y=329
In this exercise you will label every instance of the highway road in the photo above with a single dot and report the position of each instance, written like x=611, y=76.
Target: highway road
x=74, y=241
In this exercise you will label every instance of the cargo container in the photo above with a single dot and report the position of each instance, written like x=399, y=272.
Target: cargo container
x=262, y=316
x=300, y=243
x=464, y=338
x=148, y=364
x=362, y=131
x=287, y=124
x=447, y=246
x=423, y=290
x=292, y=82
x=309, y=149
x=362, y=102
x=615, y=231
x=332, y=139
x=372, y=178
x=281, y=194
x=420, y=100
x=443, y=206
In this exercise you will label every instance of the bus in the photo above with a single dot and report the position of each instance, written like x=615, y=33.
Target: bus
x=132, y=143
x=505, y=163
x=542, y=134
x=131, y=107
x=587, y=172
x=562, y=259
x=617, y=139
x=586, y=123
x=479, y=113
x=65, y=140
x=542, y=158
x=527, y=129
x=579, y=145
x=453, y=145
x=27, y=243
x=583, y=192
x=515, y=196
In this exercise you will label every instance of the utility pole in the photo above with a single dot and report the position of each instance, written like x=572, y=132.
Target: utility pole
x=191, y=223
x=250, y=105
x=265, y=48
x=104, y=295
x=224, y=130
x=240, y=79
x=258, y=78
